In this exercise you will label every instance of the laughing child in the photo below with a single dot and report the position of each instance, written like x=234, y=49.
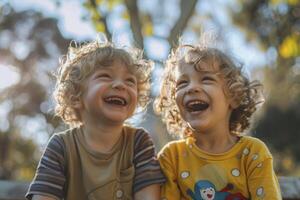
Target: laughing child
x=99, y=86
x=207, y=100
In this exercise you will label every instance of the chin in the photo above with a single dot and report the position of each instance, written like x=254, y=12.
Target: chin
x=112, y=117
x=117, y=119
x=197, y=127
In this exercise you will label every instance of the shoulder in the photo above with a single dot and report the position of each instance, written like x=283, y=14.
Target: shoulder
x=144, y=149
x=252, y=141
x=140, y=131
x=55, y=147
x=141, y=140
x=173, y=147
x=175, y=144
x=256, y=145
x=140, y=135
x=65, y=133
x=57, y=141
x=136, y=131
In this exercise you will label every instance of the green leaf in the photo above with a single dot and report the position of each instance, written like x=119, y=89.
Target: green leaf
x=290, y=46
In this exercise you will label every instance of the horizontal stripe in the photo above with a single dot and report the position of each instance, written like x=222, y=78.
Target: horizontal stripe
x=143, y=162
x=142, y=184
x=144, y=150
x=51, y=160
x=50, y=179
x=147, y=168
x=48, y=184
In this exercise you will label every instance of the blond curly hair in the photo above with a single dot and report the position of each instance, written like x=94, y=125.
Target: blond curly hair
x=245, y=93
x=81, y=61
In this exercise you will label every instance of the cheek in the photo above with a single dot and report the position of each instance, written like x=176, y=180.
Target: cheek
x=179, y=100
x=134, y=93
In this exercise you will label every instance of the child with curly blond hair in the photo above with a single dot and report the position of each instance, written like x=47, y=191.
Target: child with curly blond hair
x=207, y=101
x=99, y=86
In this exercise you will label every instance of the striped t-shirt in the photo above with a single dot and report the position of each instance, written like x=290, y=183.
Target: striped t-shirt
x=51, y=177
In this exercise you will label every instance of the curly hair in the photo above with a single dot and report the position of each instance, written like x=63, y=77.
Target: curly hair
x=245, y=93
x=81, y=61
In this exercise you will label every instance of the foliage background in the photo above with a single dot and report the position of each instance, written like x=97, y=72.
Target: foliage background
x=265, y=35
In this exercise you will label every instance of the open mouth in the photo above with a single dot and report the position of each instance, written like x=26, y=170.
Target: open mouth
x=115, y=100
x=195, y=106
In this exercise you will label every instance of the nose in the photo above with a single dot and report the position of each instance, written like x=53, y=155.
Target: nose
x=118, y=84
x=194, y=88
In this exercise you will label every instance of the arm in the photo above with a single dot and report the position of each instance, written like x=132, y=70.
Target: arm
x=39, y=197
x=263, y=182
x=169, y=190
x=49, y=179
x=261, y=179
x=151, y=192
x=148, y=175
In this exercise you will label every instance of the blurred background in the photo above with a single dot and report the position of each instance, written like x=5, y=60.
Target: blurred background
x=263, y=35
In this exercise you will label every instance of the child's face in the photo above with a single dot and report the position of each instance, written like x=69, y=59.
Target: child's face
x=110, y=94
x=201, y=98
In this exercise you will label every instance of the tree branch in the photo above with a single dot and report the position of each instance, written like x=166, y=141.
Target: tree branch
x=187, y=8
x=102, y=19
x=135, y=22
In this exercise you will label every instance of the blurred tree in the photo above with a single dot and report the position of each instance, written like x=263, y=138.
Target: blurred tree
x=143, y=23
x=276, y=24
x=30, y=45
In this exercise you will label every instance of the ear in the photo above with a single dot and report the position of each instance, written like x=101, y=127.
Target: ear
x=233, y=103
x=76, y=103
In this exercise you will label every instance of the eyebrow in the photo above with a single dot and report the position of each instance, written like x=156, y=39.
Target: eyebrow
x=213, y=73
x=101, y=69
x=109, y=68
x=180, y=77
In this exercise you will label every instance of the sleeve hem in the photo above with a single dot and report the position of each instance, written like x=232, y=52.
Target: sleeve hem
x=143, y=185
x=29, y=195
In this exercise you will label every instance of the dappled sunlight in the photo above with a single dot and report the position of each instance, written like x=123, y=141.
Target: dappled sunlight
x=35, y=35
x=8, y=76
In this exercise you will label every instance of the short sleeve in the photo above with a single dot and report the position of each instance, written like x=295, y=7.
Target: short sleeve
x=262, y=180
x=50, y=177
x=169, y=190
x=147, y=168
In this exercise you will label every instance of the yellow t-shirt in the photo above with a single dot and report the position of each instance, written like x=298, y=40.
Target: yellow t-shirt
x=243, y=172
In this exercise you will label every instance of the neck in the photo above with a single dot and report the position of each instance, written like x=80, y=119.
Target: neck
x=101, y=137
x=215, y=142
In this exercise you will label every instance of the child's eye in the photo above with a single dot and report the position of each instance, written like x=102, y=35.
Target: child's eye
x=208, y=79
x=131, y=81
x=103, y=76
x=181, y=83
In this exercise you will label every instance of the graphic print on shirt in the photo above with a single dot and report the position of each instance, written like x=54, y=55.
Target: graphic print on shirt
x=205, y=190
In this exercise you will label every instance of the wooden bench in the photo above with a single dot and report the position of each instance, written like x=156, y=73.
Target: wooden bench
x=15, y=190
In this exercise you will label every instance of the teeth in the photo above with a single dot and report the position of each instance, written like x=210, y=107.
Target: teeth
x=197, y=105
x=195, y=102
x=116, y=99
